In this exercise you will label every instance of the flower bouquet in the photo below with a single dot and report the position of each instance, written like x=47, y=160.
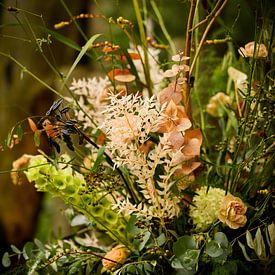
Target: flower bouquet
x=159, y=177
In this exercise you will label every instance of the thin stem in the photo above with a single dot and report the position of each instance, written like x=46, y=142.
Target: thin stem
x=146, y=67
x=208, y=17
x=196, y=92
x=74, y=253
x=205, y=34
x=187, y=51
x=162, y=26
x=188, y=36
x=24, y=69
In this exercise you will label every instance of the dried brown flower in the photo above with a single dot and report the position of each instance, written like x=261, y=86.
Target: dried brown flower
x=174, y=119
x=172, y=92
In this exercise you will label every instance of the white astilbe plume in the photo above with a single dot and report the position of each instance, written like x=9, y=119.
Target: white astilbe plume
x=128, y=122
x=92, y=99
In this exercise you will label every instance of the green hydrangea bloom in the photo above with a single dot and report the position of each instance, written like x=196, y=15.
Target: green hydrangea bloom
x=206, y=207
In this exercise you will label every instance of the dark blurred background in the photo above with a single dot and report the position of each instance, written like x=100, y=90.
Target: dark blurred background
x=22, y=96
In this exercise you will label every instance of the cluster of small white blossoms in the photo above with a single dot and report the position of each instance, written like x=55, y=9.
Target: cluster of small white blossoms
x=206, y=205
x=128, y=122
x=92, y=99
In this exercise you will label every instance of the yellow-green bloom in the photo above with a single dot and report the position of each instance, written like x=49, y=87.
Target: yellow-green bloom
x=206, y=207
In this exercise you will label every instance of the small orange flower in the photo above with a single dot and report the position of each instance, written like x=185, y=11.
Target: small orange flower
x=232, y=212
x=122, y=75
x=33, y=127
x=133, y=56
x=116, y=72
x=118, y=255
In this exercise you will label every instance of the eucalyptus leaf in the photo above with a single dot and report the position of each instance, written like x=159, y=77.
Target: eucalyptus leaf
x=27, y=250
x=183, y=244
x=161, y=239
x=6, y=262
x=15, y=249
x=190, y=259
x=176, y=263
x=145, y=239
x=180, y=269
x=221, y=239
x=214, y=249
x=39, y=244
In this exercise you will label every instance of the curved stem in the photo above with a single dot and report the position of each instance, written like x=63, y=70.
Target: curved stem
x=205, y=35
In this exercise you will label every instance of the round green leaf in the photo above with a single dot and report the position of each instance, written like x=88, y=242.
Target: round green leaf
x=213, y=249
x=221, y=239
x=6, y=262
x=183, y=244
x=190, y=258
x=15, y=249
x=27, y=250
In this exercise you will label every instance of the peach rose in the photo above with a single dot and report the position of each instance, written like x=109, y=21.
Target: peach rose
x=118, y=255
x=232, y=212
